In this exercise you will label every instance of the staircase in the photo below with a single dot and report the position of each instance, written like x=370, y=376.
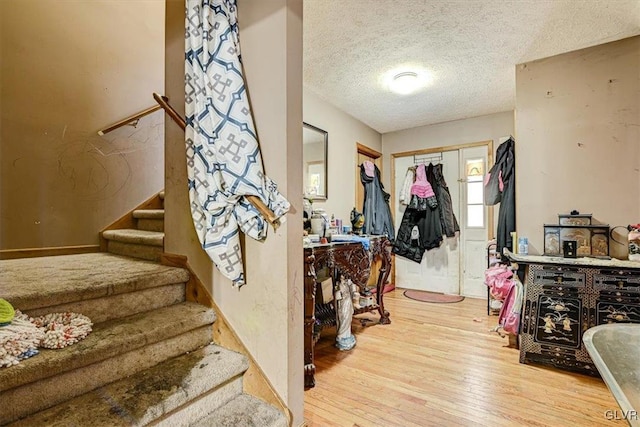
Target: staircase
x=149, y=359
x=146, y=240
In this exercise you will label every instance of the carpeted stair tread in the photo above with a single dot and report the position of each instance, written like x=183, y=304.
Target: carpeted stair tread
x=150, y=394
x=130, y=235
x=150, y=224
x=135, y=250
x=246, y=411
x=130, y=303
x=150, y=221
x=30, y=283
x=109, y=339
x=22, y=401
x=149, y=213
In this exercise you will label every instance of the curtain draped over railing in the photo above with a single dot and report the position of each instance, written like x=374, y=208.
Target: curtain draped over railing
x=224, y=163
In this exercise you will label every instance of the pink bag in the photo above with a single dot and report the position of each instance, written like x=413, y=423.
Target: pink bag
x=501, y=288
x=498, y=279
x=509, y=317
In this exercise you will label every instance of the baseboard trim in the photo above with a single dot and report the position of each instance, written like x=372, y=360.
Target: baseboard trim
x=52, y=251
x=255, y=381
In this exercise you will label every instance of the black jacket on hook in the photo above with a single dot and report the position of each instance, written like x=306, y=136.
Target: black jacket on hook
x=424, y=228
x=376, y=210
x=505, y=168
x=447, y=218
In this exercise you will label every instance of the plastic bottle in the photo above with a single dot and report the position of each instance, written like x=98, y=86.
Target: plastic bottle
x=523, y=246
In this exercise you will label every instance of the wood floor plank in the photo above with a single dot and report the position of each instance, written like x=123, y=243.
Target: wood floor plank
x=438, y=365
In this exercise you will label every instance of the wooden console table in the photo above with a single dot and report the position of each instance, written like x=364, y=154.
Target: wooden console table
x=353, y=261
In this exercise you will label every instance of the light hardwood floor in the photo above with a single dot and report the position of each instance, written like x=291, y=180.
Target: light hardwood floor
x=437, y=365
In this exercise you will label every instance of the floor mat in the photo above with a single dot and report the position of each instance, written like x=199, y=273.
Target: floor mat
x=435, y=297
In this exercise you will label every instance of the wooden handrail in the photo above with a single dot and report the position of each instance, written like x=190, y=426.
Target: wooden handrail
x=256, y=201
x=163, y=102
x=129, y=119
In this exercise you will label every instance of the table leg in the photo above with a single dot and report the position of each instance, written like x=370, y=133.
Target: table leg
x=385, y=270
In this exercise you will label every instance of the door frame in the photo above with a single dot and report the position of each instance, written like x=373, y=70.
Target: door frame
x=377, y=160
x=369, y=152
x=457, y=147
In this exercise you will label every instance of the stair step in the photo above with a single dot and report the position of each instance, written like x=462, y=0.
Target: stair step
x=149, y=253
x=140, y=237
x=107, y=340
x=150, y=224
x=211, y=373
x=149, y=213
x=246, y=411
x=117, y=306
x=150, y=219
x=141, y=244
x=34, y=283
x=114, y=350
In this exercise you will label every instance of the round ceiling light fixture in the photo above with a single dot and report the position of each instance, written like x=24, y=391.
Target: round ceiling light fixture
x=406, y=82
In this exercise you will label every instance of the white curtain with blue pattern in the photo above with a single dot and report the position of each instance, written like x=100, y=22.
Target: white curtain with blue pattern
x=223, y=157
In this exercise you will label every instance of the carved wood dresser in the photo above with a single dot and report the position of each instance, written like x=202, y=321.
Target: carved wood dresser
x=563, y=297
x=352, y=260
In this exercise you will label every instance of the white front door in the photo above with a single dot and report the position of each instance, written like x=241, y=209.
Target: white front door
x=473, y=221
x=439, y=270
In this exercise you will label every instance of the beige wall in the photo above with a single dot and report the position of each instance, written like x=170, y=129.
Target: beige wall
x=344, y=132
x=578, y=138
x=266, y=313
x=465, y=131
x=70, y=68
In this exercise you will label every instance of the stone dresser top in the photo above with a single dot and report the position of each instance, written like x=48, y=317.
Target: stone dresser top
x=580, y=262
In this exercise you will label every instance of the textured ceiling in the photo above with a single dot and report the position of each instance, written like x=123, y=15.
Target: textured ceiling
x=470, y=46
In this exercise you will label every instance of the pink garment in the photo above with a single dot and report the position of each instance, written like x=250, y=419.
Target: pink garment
x=498, y=279
x=369, y=168
x=421, y=186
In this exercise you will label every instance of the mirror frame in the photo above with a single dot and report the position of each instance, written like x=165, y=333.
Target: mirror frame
x=325, y=136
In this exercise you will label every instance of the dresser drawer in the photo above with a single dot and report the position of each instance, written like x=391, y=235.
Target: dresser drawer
x=617, y=312
x=559, y=277
x=616, y=283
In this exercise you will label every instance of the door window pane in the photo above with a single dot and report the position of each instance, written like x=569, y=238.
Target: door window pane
x=474, y=172
x=475, y=194
x=475, y=167
x=475, y=215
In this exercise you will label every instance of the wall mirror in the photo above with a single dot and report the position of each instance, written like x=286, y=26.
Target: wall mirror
x=314, y=153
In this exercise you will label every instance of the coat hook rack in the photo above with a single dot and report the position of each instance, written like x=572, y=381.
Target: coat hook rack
x=419, y=159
